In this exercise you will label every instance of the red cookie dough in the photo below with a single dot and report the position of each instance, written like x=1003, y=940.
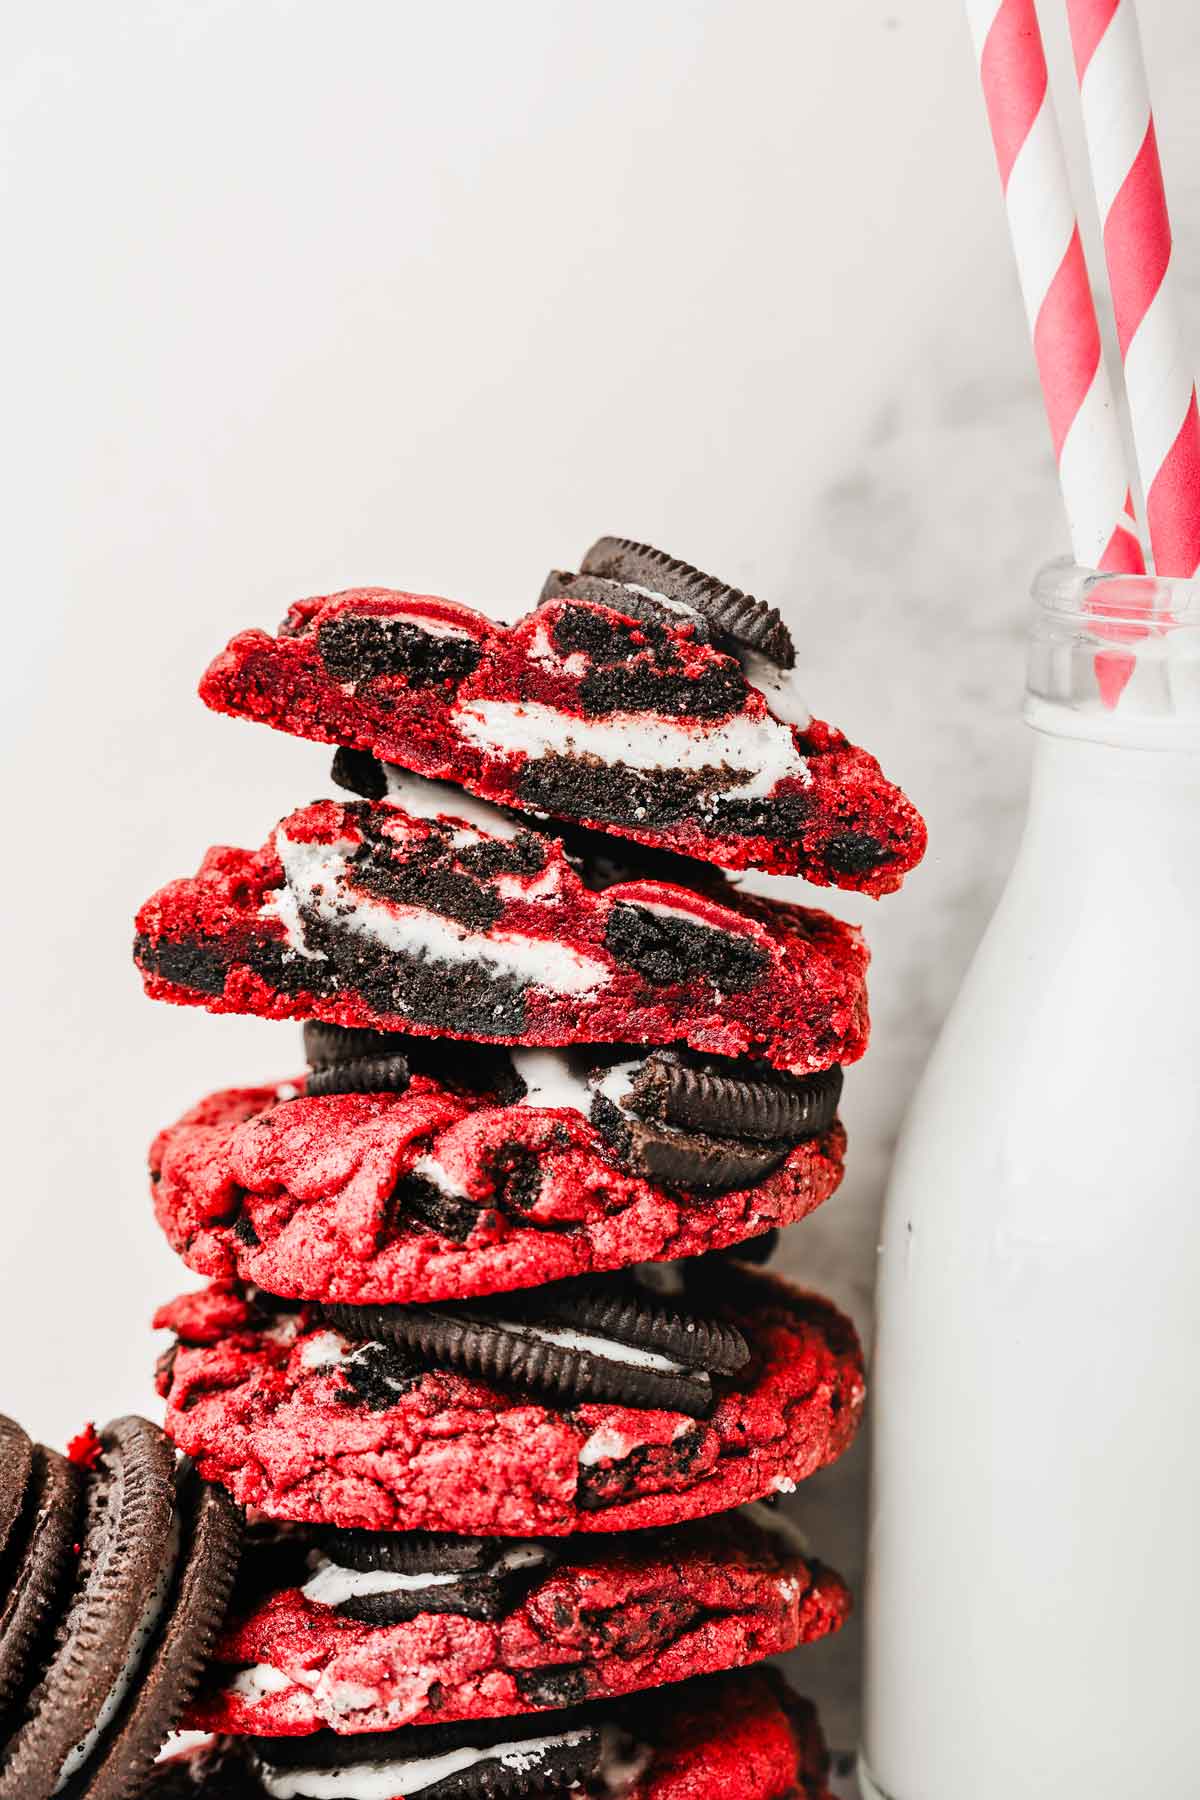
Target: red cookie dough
x=498, y=720
x=613, y=1617
x=397, y=922
x=263, y=1402
x=304, y=1197
x=730, y=1737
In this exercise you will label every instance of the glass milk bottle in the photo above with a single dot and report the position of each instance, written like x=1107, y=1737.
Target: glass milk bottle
x=1033, y=1591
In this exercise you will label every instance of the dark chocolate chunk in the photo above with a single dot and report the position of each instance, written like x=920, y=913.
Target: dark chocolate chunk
x=853, y=853
x=357, y=646
x=378, y=1373
x=736, y=617
x=358, y=772
x=669, y=949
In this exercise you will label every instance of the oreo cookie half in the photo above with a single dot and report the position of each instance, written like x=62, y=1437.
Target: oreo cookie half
x=623, y=597
x=385, y=1578
x=571, y=1341
x=156, y=1565
x=695, y=1122
x=485, y=1760
x=356, y=1061
x=744, y=622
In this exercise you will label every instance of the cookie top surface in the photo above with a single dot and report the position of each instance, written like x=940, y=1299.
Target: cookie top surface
x=310, y=1424
x=446, y=1192
x=368, y=915
x=642, y=699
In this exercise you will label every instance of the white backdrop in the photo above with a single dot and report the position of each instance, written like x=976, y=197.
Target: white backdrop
x=301, y=296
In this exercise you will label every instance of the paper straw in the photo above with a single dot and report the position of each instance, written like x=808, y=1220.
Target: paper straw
x=1054, y=280
x=1127, y=173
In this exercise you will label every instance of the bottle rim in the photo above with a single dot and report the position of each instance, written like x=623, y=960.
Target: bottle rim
x=1068, y=592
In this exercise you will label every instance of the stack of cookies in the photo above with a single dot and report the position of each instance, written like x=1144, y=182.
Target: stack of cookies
x=485, y=1350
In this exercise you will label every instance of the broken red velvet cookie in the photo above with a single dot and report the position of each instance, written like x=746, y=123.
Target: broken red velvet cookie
x=366, y=1631
x=582, y=1406
x=639, y=697
x=422, y=918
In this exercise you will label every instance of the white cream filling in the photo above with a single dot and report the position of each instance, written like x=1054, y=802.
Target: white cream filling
x=389, y=1781
x=426, y=799
x=550, y=1080
x=606, y=1444
x=256, y=1683
x=319, y=877
x=568, y=1339
x=325, y=1350
x=761, y=750
x=778, y=687
x=139, y=1643
x=616, y=1084
x=332, y=1584
x=438, y=1176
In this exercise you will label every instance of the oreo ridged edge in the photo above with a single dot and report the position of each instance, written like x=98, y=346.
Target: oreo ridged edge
x=746, y=622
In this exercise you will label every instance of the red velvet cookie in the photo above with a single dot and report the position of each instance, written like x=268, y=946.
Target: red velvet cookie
x=365, y=1632
x=731, y=1737
x=640, y=697
x=435, y=1191
x=370, y=915
x=490, y=1419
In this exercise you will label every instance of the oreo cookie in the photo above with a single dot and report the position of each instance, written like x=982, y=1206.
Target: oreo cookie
x=157, y=1554
x=709, y=1122
x=482, y=1759
x=355, y=1061
x=38, y=1565
x=16, y=1467
x=384, y=1578
x=625, y=598
x=571, y=1341
x=734, y=617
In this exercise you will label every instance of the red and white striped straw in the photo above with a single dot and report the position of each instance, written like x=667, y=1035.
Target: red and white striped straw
x=1054, y=281
x=1127, y=173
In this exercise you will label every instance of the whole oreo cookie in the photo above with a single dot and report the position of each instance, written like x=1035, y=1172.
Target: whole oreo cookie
x=585, y=1343
x=740, y=619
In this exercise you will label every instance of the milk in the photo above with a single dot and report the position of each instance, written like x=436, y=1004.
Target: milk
x=1033, y=1598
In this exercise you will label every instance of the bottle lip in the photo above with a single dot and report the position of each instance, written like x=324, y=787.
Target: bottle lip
x=1115, y=658
x=1067, y=591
